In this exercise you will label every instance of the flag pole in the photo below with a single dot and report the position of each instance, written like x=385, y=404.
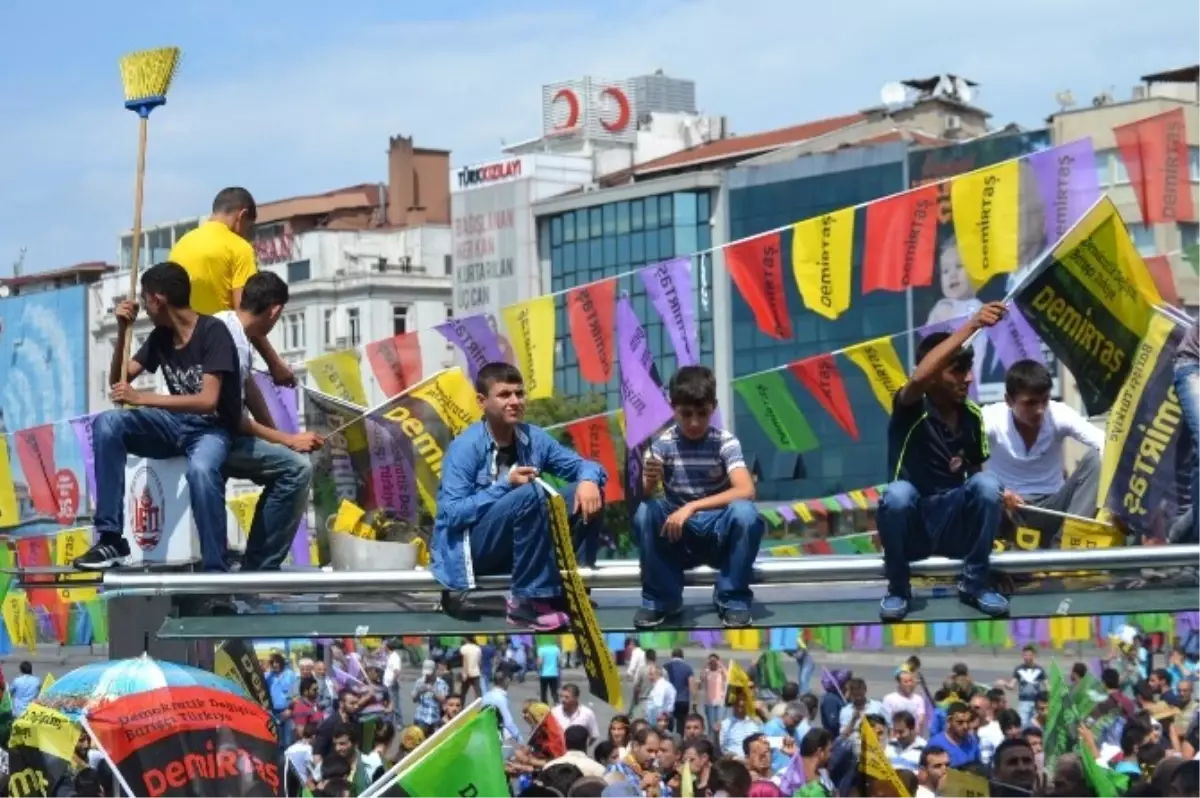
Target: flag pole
x=1059, y=514
x=389, y=778
x=107, y=757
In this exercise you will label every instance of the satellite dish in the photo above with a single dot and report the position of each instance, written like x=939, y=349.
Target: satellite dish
x=893, y=94
x=4, y=291
x=963, y=90
x=1065, y=99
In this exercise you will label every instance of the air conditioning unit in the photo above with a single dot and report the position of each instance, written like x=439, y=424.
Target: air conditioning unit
x=953, y=122
x=1139, y=92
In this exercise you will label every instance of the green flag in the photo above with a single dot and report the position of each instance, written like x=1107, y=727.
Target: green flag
x=1056, y=735
x=465, y=759
x=771, y=402
x=1106, y=783
x=1192, y=255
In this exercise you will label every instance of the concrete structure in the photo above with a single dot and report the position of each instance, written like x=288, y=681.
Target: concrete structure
x=1156, y=94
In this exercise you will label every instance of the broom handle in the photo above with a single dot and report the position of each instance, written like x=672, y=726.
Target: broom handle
x=136, y=249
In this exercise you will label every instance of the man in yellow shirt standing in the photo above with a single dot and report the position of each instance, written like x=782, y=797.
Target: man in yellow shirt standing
x=219, y=259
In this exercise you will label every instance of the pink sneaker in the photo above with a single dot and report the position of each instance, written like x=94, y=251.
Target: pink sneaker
x=537, y=615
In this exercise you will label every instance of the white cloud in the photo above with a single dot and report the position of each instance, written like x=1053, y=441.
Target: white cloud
x=306, y=119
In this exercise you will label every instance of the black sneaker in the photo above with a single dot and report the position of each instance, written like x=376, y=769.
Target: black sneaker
x=652, y=619
x=105, y=554
x=734, y=619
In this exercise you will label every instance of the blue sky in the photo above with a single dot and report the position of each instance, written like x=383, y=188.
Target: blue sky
x=300, y=97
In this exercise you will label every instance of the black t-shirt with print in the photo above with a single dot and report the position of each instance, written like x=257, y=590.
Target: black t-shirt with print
x=210, y=350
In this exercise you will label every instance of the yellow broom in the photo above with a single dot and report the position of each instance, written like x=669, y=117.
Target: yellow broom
x=146, y=76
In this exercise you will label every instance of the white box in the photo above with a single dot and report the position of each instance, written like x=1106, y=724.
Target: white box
x=158, y=515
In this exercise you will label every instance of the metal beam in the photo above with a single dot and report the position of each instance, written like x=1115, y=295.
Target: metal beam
x=799, y=570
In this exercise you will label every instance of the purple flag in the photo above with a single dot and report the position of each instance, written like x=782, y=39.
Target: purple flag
x=1014, y=339
x=82, y=427
x=646, y=408
x=283, y=404
x=1067, y=182
x=787, y=512
x=393, y=481
x=474, y=336
x=794, y=777
x=669, y=286
x=947, y=326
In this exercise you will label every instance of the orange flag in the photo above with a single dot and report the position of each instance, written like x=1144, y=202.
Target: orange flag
x=1155, y=152
x=590, y=311
x=900, y=240
x=756, y=267
x=35, y=451
x=34, y=552
x=821, y=377
x=396, y=362
x=594, y=442
x=1164, y=278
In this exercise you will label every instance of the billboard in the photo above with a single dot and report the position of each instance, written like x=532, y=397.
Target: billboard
x=43, y=374
x=590, y=108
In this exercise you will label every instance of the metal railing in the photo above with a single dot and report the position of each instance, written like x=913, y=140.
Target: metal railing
x=627, y=574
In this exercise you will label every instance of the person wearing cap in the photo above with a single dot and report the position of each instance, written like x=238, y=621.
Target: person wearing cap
x=428, y=694
x=940, y=500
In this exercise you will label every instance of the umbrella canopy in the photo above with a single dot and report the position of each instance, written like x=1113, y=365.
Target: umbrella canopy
x=88, y=688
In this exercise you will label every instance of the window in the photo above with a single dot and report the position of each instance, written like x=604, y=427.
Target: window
x=1121, y=173
x=1143, y=238
x=1189, y=234
x=293, y=331
x=449, y=311
x=298, y=271
x=399, y=319
x=1103, y=174
x=353, y=326
x=329, y=327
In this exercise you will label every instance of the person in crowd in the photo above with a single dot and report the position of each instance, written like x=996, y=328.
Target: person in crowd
x=281, y=681
x=940, y=500
x=619, y=729
x=729, y=777
x=196, y=420
x=706, y=515
x=376, y=760
x=683, y=679
x=805, y=664
x=429, y=693
x=957, y=740
x=807, y=774
x=1005, y=726
x=571, y=712
x=392, y=669
x=736, y=727
x=716, y=682
x=635, y=658
x=789, y=728
x=487, y=663
x=1029, y=680
x=299, y=755
x=305, y=709
x=834, y=699
x=1185, y=700
x=789, y=693
x=639, y=703
x=344, y=715
x=261, y=453
x=905, y=699
x=472, y=667
x=24, y=689
x=491, y=507
x=1187, y=389
x=577, y=739
x=345, y=746
x=693, y=727
x=669, y=762
x=549, y=660
x=756, y=749
x=497, y=697
x=961, y=684
x=1111, y=679
x=699, y=756
x=661, y=700
x=451, y=707
x=1025, y=434
x=934, y=763
x=514, y=661
x=1160, y=684
x=858, y=707
x=637, y=765
x=906, y=744
x=219, y=260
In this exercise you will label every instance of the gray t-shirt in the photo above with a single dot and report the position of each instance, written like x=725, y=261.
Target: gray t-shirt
x=1189, y=348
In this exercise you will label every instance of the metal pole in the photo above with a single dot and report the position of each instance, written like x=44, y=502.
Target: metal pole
x=800, y=570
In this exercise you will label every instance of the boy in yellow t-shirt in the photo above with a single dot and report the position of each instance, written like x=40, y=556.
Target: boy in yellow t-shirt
x=219, y=259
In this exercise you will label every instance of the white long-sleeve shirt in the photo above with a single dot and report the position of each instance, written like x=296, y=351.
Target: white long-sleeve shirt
x=1034, y=470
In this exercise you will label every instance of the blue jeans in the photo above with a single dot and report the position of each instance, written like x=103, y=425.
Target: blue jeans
x=725, y=539
x=513, y=536
x=1187, y=388
x=806, y=667
x=161, y=435
x=285, y=476
x=961, y=523
x=713, y=715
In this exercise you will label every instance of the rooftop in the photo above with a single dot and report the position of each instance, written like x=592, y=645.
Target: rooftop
x=92, y=268
x=363, y=195
x=1187, y=74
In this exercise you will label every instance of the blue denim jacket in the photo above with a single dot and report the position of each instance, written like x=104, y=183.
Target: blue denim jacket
x=469, y=487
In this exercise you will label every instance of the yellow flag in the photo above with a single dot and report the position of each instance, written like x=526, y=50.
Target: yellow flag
x=986, y=206
x=822, y=253
x=739, y=682
x=687, y=783
x=802, y=510
x=859, y=498
x=9, y=514
x=879, y=361
x=69, y=544
x=338, y=374
x=1028, y=539
x=874, y=762
x=968, y=785
x=908, y=635
x=48, y=682
x=530, y=328
x=1077, y=534
x=14, y=616
x=243, y=509
x=350, y=520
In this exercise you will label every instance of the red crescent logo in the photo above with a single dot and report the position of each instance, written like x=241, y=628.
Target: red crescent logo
x=572, y=104
x=622, y=115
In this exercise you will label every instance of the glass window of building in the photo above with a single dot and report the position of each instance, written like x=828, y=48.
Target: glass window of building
x=298, y=271
x=353, y=327
x=399, y=319
x=328, y=327
x=293, y=331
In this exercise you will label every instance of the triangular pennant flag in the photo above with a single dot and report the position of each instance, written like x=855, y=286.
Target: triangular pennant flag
x=1155, y=153
x=822, y=254
x=821, y=377
x=880, y=363
x=770, y=400
x=590, y=310
x=756, y=268
x=900, y=241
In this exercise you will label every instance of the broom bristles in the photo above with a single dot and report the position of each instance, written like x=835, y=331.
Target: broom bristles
x=148, y=73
